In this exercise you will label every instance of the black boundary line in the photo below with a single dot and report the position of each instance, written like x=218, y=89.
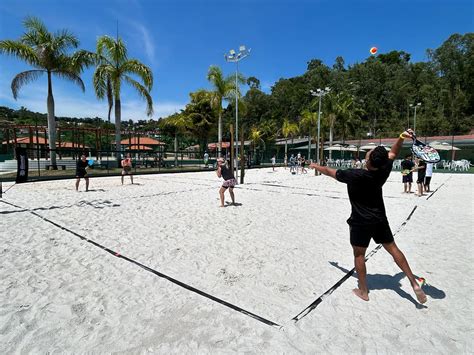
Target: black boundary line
x=293, y=193
x=434, y=191
x=118, y=199
x=157, y=273
x=326, y=294
x=303, y=188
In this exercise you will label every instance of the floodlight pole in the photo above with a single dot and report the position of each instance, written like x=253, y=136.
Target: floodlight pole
x=320, y=93
x=235, y=57
x=236, y=122
x=414, y=118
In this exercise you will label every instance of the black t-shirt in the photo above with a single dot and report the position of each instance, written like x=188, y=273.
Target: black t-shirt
x=227, y=174
x=421, y=172
x=407, y=165
x=81, y=166
x=365, y=193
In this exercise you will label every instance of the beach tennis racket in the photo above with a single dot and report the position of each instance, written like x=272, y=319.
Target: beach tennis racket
x=424, y=151
x=406, y=172
x=90, y=162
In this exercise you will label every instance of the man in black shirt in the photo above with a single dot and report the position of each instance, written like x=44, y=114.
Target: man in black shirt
x=81, y=172
x=368, y=219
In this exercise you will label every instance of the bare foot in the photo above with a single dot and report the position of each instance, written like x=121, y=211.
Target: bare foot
x=360, y=294
x=420, y=295
x=221, y=206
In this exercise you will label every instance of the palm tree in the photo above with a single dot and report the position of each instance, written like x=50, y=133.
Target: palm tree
x=224, y=88
x=289, y=129
x=256, y=137
x=112, y=70
x=179, y=123
x=308, y=122
x=48, y=53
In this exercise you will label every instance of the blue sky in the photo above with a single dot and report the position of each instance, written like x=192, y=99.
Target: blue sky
x=180, y=39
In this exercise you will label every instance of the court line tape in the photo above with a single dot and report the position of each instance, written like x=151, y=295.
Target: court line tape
x=155, y=272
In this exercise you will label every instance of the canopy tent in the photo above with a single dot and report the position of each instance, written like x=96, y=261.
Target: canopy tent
x=140, y=140
x=212, y=146
x=340, y=148
x=138, y=147
x=443, y=146
x=371, y=146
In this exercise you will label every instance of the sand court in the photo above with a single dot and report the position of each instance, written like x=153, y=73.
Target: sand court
x=280, y=249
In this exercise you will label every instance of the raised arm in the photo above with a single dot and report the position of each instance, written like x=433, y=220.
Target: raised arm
x=324, y=170
x=398, y=144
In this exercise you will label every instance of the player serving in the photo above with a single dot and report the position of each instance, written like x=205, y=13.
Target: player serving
x=368, y=218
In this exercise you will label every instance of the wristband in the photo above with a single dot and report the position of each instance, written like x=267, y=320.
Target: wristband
x=401, y=136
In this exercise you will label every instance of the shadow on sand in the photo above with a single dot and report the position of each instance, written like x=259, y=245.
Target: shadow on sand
x=389, y=282
x=236, y=204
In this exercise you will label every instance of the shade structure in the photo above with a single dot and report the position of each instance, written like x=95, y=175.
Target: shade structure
x=138, y=147
x=140, y=140
x=213, y=146
x=373, y=145
x=443, y=146
x=340, y=148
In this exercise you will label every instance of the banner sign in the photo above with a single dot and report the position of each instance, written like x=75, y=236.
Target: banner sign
x=22, y=165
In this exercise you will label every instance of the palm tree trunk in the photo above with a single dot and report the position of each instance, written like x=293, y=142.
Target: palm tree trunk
x=219, y=135
x=51, y=123
x=176, y=149
x=118, y=137
x=330, y=142
x=309, y=145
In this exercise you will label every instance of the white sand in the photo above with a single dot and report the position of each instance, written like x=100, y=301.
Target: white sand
x=274, y=255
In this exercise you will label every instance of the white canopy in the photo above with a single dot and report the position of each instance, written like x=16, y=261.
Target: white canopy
x=373, y=145
x=443, y=146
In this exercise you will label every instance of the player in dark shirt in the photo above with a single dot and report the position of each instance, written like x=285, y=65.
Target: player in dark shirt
x=421, y=169
x=368, y=219
x=81, y=172
x=226, y=173
x=407, y=175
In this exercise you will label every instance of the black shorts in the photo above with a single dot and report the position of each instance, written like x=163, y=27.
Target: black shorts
x=421, y=179
x=427, y=180
x=407, y=178
x=81, y=174
x=361, y=235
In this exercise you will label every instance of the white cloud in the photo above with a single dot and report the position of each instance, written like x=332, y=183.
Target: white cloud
x=147, y=41
x=66, y=105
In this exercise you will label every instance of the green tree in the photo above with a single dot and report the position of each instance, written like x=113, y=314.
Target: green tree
x=49, y=54
x=256, y=138
x=308, y=123
x=178, y=124
x=201, y=115
x=288, y=129
x=114, y=67
x=223, y=88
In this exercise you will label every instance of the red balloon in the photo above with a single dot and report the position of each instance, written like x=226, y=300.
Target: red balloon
x=373, y=50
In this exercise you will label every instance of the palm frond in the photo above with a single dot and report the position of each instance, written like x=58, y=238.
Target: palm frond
x=73, y=77
x=64, y=40
x=110, y=98
x=143, y=92
x=133, y=66
x=114, y=51
x=83, y=58
x=19, y=50
x=24, y=78
x=100, y=80
x=37, y=34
